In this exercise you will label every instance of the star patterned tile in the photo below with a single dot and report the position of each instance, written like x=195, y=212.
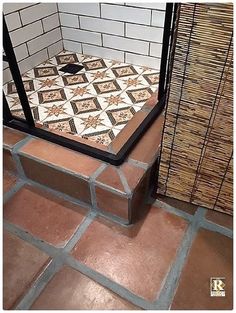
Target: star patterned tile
x=95, y=103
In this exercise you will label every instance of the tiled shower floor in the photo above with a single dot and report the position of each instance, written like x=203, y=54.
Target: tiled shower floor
x=96, y=103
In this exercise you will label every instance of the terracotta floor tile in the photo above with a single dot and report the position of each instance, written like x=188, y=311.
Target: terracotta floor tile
x=133, y=174
x=71, y=290
x=51, y=219
x=178, y=204
x=220, y=218
x=111, y=202
x=12, y=136
x=148, y=145
x=110, y=177
x=57, y=179
x=61, y=157
x=9, y=181
x=22, y=263
x=137, y=257
x=211, y=255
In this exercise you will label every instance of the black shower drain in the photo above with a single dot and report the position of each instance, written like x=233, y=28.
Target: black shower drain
x=71, y=68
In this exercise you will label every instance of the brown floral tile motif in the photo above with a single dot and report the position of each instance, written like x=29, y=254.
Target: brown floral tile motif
x=85, y=105
x=51, y=95
x=48, y=82
x=74, y=79
x=45, y=71
x=114, y=100
x=80, y=91
x=65, y=125
x=104, y=137
x=67, y=58
x=120, y=116
x=55, y=110
x=139, y=95
x=152, y=78
x=92, y=121
x=100, y=75
x=124, y=71
x=134, y=82
x=107, y=86
x=94, y=65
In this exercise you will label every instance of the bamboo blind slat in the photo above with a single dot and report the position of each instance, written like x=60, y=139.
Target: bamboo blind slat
x=196, y=153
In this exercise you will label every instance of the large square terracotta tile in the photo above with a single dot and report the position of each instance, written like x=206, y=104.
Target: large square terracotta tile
x=22, y=264
x=47, y=217
x=137, y=257
x=211, y=255
x=71, y=290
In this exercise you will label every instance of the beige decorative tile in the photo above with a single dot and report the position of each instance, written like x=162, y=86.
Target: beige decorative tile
x=95, y=103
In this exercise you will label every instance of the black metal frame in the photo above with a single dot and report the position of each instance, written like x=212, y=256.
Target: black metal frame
x=28, y=125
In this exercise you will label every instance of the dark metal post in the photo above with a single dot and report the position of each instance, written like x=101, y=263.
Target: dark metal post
x=7, y=116
x=165, y=49
x=11, y=58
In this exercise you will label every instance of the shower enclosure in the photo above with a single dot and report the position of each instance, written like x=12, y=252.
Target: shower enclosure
x=97, y=98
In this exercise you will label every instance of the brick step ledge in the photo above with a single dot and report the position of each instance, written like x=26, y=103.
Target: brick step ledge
x=118, y=192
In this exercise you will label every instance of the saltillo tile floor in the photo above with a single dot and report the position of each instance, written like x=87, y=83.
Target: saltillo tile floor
x=58, y=255
x=95, y=103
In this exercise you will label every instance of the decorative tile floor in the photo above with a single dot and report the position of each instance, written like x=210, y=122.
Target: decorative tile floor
x=96, y=103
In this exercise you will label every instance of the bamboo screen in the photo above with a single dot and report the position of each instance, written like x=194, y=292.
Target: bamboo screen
x=197, y=149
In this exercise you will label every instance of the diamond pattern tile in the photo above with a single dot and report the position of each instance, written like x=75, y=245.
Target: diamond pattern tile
x=95, y=103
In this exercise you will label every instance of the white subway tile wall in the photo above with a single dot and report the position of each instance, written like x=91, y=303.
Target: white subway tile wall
x=126, y=32
x=35, y=33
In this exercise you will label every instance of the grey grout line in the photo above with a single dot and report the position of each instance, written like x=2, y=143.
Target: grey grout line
x=167, y=293
x=6, y=196
x=40, y=283
x=173, y=210
x=216, y=228
x=58, y=194
x=138, y=163
x=76, y=175
x=113, y=218
x=15, y=155
x=204, y=223
x=80, y=231
x=55, y=167
x=106, y=282
x=31, y=239
x=124, y=181
x=92, y=184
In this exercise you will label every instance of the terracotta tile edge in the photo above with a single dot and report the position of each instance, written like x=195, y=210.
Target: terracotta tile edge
x=119, y=141
x=112, y=189
x=60, y=169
